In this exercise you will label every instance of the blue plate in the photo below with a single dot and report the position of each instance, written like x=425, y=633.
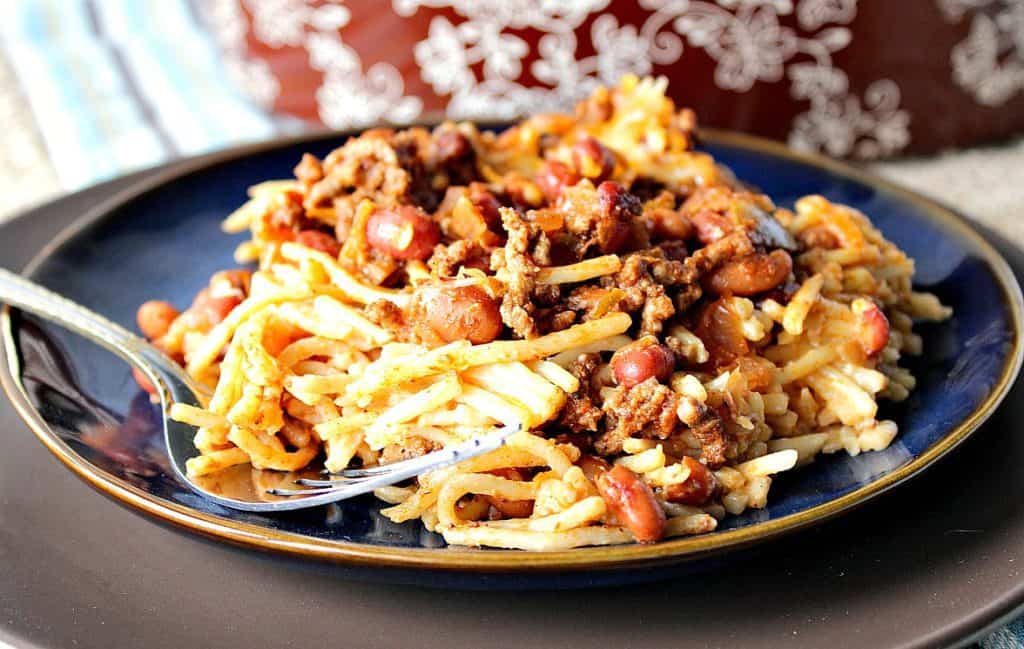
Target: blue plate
x=162, y=240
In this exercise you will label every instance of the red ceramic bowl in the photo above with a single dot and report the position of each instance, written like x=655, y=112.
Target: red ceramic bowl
x=858, y=79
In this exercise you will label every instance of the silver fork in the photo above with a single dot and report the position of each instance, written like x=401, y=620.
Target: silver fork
x=174, y=385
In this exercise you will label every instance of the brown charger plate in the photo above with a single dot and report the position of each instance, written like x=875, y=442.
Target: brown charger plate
x=931, y=564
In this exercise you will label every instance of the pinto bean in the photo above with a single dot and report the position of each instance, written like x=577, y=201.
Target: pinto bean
x=750, y=275
x=722, y=332
x=405, y=232
x=451, y=145
x=511, y=508
x=213, y=309
x=618, y=210
x=318, y=240
x=711, y=226
x=592, y=159
x=155, y=318
x=592, y=466
x=462, y=313
x=873, y=325
x=553, y=177
x=633, y=503
x=640, y=360
x=671, y=225
x=235, y=278
x=697, y=489
x=486, y=203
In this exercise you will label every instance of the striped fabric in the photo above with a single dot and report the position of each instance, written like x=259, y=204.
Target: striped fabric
x=120, y=85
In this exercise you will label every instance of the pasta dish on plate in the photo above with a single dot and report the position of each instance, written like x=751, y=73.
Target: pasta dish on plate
x=666, y=338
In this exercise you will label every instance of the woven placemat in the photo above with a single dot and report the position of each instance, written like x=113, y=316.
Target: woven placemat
x=986, y=183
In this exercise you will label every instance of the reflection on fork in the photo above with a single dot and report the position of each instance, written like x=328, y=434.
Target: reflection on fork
x=246, y=483
x=356, y=481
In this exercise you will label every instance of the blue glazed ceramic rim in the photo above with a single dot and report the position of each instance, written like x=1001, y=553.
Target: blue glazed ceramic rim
x=506, y=561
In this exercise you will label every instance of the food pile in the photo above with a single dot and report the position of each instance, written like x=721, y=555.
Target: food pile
x=667, y=338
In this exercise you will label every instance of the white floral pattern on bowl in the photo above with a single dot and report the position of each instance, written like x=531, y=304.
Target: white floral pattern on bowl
x=474, y=59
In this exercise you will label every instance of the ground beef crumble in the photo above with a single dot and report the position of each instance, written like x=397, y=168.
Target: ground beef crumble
x=367, y=165
x=407, y=450
x=709, y=430
x=447, y=259
x=309, y=171
x=579, y=413
x=647, y=409
x=387, y=315
x=643, y=279
x=517, y=266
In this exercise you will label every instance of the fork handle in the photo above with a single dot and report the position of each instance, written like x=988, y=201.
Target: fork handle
x=17, y=291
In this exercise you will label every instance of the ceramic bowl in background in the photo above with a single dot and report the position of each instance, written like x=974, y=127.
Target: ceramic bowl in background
x=845, y=77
